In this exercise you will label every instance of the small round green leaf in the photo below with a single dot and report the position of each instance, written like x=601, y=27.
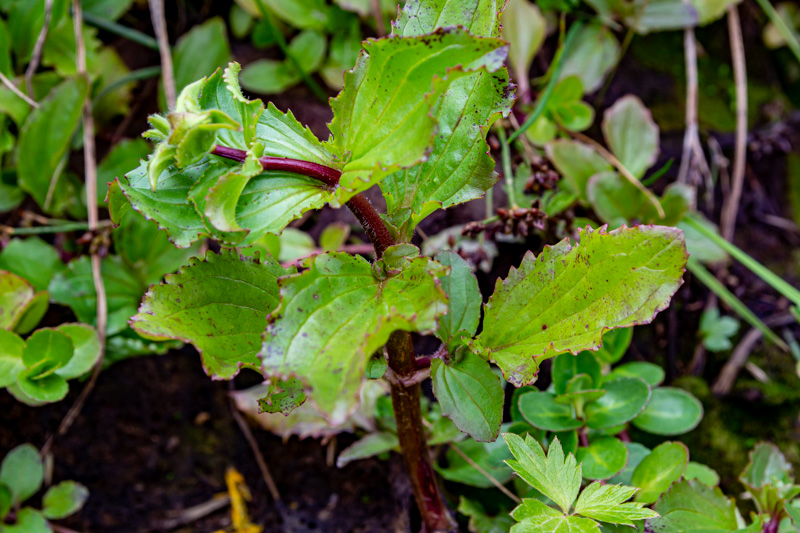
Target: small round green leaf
x=11, y=346
x=29, y=521
x=603, y=458
x=702, y=473
x=615, y=344
x=659, y=470
x=624, y=399
x=584, y=397
x=636, y=453
x=33, y=313
x=22, y=472
x=541, y=411
x=15, y=295
x=41, y=384
x=652, y=374
x=64, y=499
x=5, y=501
x=566, y=366
x=671, y=411
x=47, y=345
x=87, y=350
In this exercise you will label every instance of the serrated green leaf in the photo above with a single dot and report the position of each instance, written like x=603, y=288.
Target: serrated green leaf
x=29, y=521
x=624, y=400
x=382, y=120
x=11, y=346
x=64, y=499
x=631, y=134
x=605, y=503
x=459, y=168
x=32, y=259
x=22, y=472
x=337, y=313
x=45, y=137
x=480, y=17
x=547, y=520
x=219, y=304
x=368, y=446
x=555, y=476
x=541, y=411
x=576, y=162
x=471, y=395
x=652, y=374
x=671, y=411
x=282, y=397
x=662, y=467
x=463, y=299
x=693, y=507
x=567, y=297
x=602, y=459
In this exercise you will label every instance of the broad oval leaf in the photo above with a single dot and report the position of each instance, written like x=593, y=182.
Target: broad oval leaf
x=767, y=466
x=32, y=259
x=524, y=28
x=631, y=134
x=11, y=346
x=702, y=473
x=603, y=458
x=671, y=411
x=541, y=411
x=566, y=366
x=29, y=520
x=662, y=467
x=64, y=499
x=624, y=400
x=337, y=313
x=86, y=350
x=22, y=472
x=636, y=453
x=592, y=55
x=652, y=374
x=219, y=304
x=694, y=507
x=471, y=395
x=44, y=140
x=463, y=299
x=567, y=297
x=480, y=17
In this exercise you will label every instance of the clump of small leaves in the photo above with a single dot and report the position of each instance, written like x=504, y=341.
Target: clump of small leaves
x=558, y=477
x=412, y=118
x=21, y=476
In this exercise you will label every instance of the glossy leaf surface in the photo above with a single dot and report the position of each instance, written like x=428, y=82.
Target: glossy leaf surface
x=662, y=467
x=671, y=411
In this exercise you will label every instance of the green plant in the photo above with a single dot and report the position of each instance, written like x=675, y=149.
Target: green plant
x=21, y=477
x=232, y=169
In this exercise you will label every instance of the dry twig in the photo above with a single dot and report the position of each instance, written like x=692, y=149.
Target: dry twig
x=692, y=156
x=8, y=83
x=731, y=205
x=36, y=55
x=488, y=476
x=167, y=72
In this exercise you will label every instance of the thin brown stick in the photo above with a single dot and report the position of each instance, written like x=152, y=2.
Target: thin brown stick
x=731, y=206
x=167, y=72
x=90, y=177
x=10, y=84
x=36, y=55
x=690, y=53
x=727, y=376
x=486, y=474
x=251, y=441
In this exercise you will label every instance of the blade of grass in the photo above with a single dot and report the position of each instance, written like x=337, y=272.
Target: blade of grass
x=757, y=268
x=709, y=280
x=555, y=70
x=508, y=175
x=123, y=31
x=786, y=32
x=307, y=79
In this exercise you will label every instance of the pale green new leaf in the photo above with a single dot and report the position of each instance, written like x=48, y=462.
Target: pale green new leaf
x=470, y=394
x=536, y=517
x=219, y=304
x=524, y=28
x=369, y=446
x=463, y=299
x=631, y=134
x=382, y=118
x=605, y=503
x=338, y=312
x=555, y=476
x=567, y=297
x=22, y=472
x=64, y=499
